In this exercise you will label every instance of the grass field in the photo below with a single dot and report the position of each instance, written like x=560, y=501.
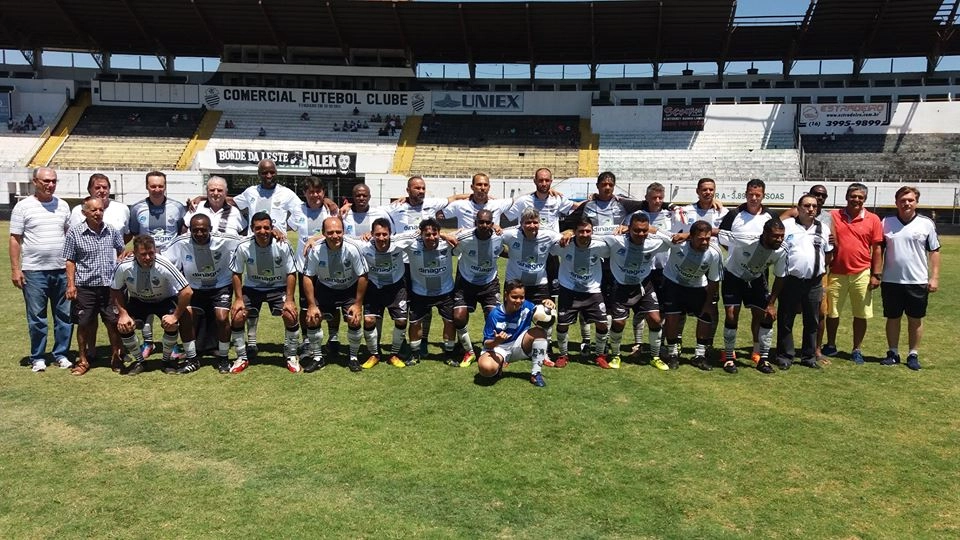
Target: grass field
x=844, y=452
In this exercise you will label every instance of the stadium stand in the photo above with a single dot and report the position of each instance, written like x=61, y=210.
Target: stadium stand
x=913, y=157
x=18, y=148
x=128, y=138
x=505, y=146
x=689, y=155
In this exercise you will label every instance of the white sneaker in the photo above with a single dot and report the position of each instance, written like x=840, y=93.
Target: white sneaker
x=293, y=364
x=63, y=363
x=38, y=366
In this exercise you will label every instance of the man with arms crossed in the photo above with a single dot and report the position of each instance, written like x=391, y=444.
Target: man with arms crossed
x=908, y=279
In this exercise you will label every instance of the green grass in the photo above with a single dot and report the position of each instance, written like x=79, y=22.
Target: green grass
x=426, y=451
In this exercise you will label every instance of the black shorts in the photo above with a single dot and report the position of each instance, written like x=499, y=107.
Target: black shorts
x=639, y=298
x=207, y=300
x=91, y=301
x=900, y=298
x=467, y=294
x=253, y=300
x=393, y=298
x=139, y=310
x=656, y=277
x=590, y=306
x=676, y=299
x=329, y=300
x=736, y=291
x=420, y=306
x=537, y=293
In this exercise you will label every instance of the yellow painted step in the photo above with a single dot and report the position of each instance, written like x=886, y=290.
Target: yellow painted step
x=407, y=145
x=200, y=139
x=60, y=133
x=589, y=155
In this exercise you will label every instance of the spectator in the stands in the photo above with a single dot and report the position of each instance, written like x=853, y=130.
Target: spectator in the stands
x=263, y=132
x=356, y=111
x=305, y=116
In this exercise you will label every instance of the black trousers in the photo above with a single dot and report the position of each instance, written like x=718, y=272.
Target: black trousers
x=803, y=295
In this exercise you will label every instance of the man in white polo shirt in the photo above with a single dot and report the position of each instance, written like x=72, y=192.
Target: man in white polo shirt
x=37, y=227
x=909, y=239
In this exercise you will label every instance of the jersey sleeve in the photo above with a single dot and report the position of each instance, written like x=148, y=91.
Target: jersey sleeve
x=239, y=260
x=780, y=264
x=132, y=224
x=933, y=240
x=119, y=277
x=242, y=201
x=490, y=325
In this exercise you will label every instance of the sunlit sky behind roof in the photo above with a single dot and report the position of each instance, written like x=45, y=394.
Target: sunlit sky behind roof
x=787, y=9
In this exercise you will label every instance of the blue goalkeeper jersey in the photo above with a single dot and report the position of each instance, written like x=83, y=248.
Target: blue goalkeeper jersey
x=514, y=324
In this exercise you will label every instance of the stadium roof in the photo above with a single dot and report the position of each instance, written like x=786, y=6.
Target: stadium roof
x=539, y=33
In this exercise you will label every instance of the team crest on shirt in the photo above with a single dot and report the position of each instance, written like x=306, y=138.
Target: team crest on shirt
x=217, y=255
x=155, y=281
x=621, y=251
x=747, y=253
x=142, y=218
x=130, y=279
x=568, y=257
x=472, y=253
x=516, y=245
x=322, y=263
x=277, y=260
x=189, y=257
x=249, y=260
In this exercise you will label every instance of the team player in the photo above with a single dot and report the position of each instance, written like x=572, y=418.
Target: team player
x=407, y=214
x=161, y=218
x=691, y=281
x=271, y=277
x=335, y=279
x=359, y=216
x=204, y=259
x=477, y=250
x=580, y=274
x=225, y=218
x=508, y=335
x=631, y=259
x=528, y=249
x=431, y=284
x=551, y=206
x=153, y=286
x=465, y=210
x=307, y=222
x=386, y=290
x=807, y=243
x=745, y=283
x=908, y=278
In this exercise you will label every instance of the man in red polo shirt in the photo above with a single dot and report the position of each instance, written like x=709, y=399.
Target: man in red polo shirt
x=855, y=270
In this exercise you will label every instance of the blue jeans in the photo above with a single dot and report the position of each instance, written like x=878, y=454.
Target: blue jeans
x=41, y=287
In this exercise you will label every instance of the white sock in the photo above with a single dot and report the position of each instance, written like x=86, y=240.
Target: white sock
x=766, y=339
x=615, y=339
x=373, y=340
x=315, y=335
x=656, y=341
x=353, y=338
x=464, y=336
x=537, y=353
x=236, y=336
x=399, y=335
x=563, y=343
x=729, y=339
x=291, y=337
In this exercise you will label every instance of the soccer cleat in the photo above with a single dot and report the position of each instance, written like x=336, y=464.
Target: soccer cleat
x=891, y=359
x=63, y=363
x=857, y=357
x=659, y=364
x=562, y=361
x=829, y=350
x=293, y=364
x=537, y=380
x=222, y=364
x=169, y=367
x=755, y=358
x=601, y=361
x=188, y=367
x=763, y=366
x=724, y=356
x=729, y=366
x=116, y=364
x=146, y=349
x=785, y=363
x=549, y=363
x=452, y=362
x=673, y=362
x=333, y=347
x=38, y=366
x=135, y=368
x=468, y=358
x=423, y=348
x=413, y=360
x=354, y=364
x=396, y=362
x=701, y=362
x=913, y=362
x=239, y=365
x=615, y=362
x=252, y=352
x=177, y=353
x=809, y=362
x=370, y=362
x=317, y=362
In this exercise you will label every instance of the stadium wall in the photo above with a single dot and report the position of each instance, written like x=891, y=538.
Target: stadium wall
x=644, y=119
x=39, y=96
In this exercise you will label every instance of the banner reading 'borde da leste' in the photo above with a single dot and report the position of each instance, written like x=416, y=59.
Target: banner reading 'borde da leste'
x=318, y=163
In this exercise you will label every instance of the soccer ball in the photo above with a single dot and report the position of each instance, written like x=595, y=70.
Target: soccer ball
x=544, y=316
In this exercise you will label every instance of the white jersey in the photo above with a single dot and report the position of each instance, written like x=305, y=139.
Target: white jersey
x=477, y=259
x=43, y=227
x=205, y=266
x=580, y=268
x=431, y=271
x=659, y=219
x=605, y=216
x=552, y=209
x=357, y=224
x=691, y=268
x=384, y=267
x=161, y=281
x=116, y=215
x=306, y=222
x=280, y=202
x=227, y=220
x=742, y=221
x=336, y=269
x=465, y=211
x=682, y=218
x=406, y=217
x=527, y=259
x=748, y=259
x=906, y=249
x=631, y=263
x=802, y=244
x=162, y=222
x=265, y=267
